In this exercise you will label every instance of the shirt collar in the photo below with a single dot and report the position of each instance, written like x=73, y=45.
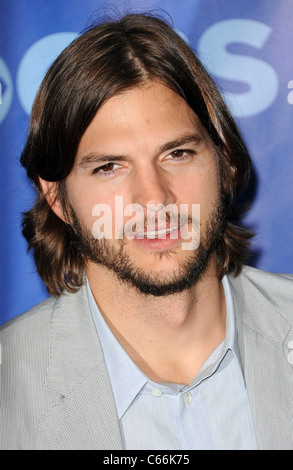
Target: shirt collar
x=231, y=338
x=127, y=380
x=229, y=345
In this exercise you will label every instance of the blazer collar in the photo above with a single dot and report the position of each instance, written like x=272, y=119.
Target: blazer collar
x=263, y=334
x=75, y=349
x=85, y=417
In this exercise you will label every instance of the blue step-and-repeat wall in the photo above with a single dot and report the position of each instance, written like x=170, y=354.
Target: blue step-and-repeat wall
x=248, y=48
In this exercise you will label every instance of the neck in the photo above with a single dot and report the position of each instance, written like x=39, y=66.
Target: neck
x=168, y=337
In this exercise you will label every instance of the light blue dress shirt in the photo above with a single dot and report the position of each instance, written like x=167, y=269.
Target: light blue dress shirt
x=211, y=413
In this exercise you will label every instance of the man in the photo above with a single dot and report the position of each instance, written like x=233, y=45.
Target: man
x=155, y=336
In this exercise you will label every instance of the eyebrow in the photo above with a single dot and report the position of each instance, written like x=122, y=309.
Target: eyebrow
x=183, y=140
x=95, y=157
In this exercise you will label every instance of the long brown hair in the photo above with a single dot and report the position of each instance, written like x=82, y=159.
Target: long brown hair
x=105, y=60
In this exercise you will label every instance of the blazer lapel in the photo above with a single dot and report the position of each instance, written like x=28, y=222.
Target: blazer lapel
x=85, y=417
x=263, y=333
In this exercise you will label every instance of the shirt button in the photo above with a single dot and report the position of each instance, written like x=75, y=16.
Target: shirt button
x=187, y=397
x=156, y=392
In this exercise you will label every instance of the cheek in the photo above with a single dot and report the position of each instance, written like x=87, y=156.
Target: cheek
x=82, y=200
x=97, y=211
x=201, y=189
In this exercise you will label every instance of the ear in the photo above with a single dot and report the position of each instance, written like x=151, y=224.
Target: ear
x=51, y=192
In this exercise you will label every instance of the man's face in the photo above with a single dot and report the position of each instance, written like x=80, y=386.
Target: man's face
x=146, y=147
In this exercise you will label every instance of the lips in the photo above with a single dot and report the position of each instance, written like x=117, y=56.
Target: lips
x=159, y=233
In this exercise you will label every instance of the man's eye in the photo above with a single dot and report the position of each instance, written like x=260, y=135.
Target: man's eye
x=180, y=154
x=105, y=169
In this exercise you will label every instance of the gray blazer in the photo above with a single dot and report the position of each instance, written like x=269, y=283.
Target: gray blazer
x=56, y=392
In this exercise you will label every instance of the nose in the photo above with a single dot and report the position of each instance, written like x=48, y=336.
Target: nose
x=151, y=185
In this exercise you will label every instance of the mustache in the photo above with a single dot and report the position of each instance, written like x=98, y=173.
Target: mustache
x=144, y=223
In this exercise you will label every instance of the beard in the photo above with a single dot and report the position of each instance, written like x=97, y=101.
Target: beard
x=117, y=260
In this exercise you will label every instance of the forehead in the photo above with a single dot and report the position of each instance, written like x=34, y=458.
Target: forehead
x=147, y=115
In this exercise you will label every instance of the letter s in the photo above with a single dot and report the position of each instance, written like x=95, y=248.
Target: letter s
x=259, y=75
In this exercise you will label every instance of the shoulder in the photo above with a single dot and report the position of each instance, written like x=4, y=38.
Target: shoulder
x=34, y=325
x=270, y=284
x=275, y=281
x=37, y=316
x=257, y=284
x=26, y=338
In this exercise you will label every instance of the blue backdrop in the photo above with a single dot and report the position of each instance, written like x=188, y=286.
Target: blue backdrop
x=247, y=47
